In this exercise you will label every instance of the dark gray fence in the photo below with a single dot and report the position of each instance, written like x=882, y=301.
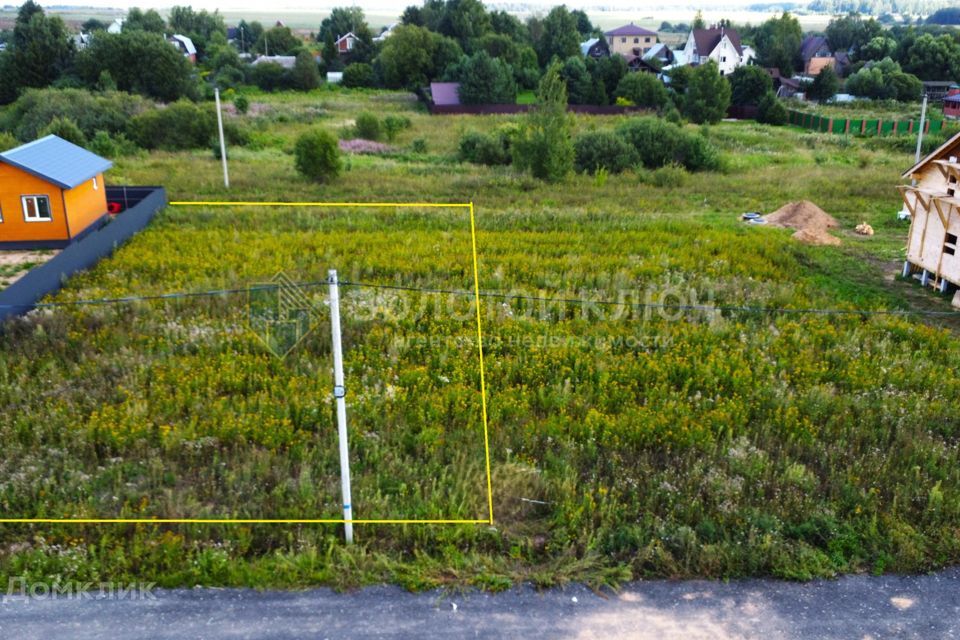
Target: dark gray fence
x=135, y=207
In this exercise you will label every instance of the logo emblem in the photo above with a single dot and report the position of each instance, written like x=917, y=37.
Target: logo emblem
x=280, y=314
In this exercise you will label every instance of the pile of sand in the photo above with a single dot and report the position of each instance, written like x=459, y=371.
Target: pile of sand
x=811, y=222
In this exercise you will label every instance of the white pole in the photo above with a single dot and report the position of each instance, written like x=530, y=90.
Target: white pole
x=223, y=145
x=923, y=120
x=339, y=392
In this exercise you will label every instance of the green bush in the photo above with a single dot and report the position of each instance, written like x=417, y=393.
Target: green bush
x=394, y=124
x=242, y=104
x=771, y=110
x=602, y=150
x=358, y=75
x=67, y=129
x=670, y=176
x=112, y=146
x=317, y=155
x=181, y=125
x=7, y=141
x=367, y=126
x=269, y=76
x=484, y=148
x=643, y=90
x=37, y=108
x=658, y=143
x=418, y=146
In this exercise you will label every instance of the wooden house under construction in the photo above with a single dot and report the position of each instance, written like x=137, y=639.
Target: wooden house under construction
x=933, y=201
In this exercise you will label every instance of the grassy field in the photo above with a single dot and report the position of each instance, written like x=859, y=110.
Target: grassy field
x=625, y=443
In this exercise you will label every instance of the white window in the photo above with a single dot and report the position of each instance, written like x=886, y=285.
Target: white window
x=95, y=187
x=36, y=208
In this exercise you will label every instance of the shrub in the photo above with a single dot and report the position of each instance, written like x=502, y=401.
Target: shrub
x=603, y=150
x=37, y=108
x=317, y=154
x=748, y=85
x=484, y=148
x=7, y=141
x=181, y=125
x=670, y=176
x=658, y=143
x=394, y=124
x=357, y=75
x=67, y=129
x=112, y=146
x=771, y=110
x=367, y=126
x=269, y=76
x=418, y=146
x=643, y=90
x=242, y=104
x=485, y=80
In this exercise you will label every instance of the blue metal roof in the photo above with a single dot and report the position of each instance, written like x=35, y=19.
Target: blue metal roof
x=57, y=161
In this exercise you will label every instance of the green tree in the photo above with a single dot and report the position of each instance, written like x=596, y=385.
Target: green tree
x=749, y=84
x=771, y=111
x=884, y=80
x=610, y=70
x=698, y=21
x=878, y=48
x=330, y=55
x=544, y=146
x=708, y=95
x=559, y=37
x=359, y=74
x=580, y=84
x=824, y=85
x=778, y=43
x=317, y=155
x=140, y=20
x=486, y=80
x=278, y=41
x=932, y=58
x=139, y=62
x=305, y=75
x=248, y=34
x=584, y=26
x=200, y=26
x=851, y=32
x=341, y=21
x=40, y=50
x=643, y=90
x=92, y=24
x=413, y=56
x=464, y=21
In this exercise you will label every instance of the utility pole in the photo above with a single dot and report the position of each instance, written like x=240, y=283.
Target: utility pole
x=923, y=121
x=339, y=393
x=223, y=144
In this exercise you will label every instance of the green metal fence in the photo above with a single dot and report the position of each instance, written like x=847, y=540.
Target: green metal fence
x=860, y=126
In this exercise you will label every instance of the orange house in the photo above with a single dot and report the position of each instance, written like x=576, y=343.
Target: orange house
x=51, y=194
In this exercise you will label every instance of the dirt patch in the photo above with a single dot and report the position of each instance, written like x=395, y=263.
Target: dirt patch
x=15, y=264
x=811, y=222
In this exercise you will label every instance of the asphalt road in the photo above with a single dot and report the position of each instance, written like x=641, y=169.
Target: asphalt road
x=860, y=607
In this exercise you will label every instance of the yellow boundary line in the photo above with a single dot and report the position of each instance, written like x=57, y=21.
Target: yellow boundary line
x=483, y=391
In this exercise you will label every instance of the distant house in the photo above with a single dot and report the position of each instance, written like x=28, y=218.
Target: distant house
x=639, y=63
x=346, y=43
x=816, y=55
x=287, y=62
x=784, y=87
x=185, y=46
x=951, y=103
x=937, y=89
x=116, y=26
x=630, y=40
x=386, y=33
x=51, y=193
x=719, y=44
x=445, y=93
x=595, y=48
x=660, y=54
x=934, y=224
x=80, y=41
